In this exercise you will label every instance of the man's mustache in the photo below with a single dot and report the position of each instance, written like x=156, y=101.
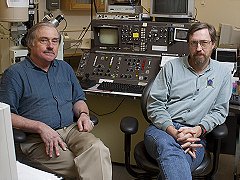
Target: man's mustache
x=49, y=52
x=199, y=54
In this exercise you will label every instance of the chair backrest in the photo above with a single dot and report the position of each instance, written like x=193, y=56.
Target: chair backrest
x=144, y=99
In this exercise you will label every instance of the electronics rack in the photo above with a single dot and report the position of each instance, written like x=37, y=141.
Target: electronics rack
x=130, y=52
x=140, y=37
x=134, y=69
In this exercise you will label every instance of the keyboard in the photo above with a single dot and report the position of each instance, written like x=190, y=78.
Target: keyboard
x=119, y=87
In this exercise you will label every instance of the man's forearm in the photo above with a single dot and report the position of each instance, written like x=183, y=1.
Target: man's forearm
x=80, y=107
x=171, y=130
x=27, y=125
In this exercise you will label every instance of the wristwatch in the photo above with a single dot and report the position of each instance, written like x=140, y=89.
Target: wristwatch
x=83, y=112
x=204, y=131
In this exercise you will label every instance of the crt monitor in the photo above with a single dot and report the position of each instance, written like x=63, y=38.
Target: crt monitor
x=172, y=10
x=106, y=36
x=226, y=54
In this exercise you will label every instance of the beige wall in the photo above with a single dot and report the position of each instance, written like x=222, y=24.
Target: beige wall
x=219, y=11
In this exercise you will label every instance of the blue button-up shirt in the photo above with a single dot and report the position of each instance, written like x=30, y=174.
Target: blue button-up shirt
x=42, y=96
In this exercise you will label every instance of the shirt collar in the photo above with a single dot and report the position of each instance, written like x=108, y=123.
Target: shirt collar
x=30, y=64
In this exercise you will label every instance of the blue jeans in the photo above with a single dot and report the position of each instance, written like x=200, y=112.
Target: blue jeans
x=173, y=162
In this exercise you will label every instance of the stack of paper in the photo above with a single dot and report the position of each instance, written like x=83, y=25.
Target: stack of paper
x=28, y=173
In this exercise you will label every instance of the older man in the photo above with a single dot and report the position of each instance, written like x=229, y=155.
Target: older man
x=45, y=96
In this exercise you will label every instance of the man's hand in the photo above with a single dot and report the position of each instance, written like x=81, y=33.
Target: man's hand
x=52, y=140
x=187, y=137
x=84, y=123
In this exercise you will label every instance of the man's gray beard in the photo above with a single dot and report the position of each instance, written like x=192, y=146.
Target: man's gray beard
x=199, y=61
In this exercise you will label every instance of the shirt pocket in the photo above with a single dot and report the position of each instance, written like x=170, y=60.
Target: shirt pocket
x=65, y=90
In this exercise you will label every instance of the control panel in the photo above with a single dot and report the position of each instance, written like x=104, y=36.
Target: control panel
x=140, y=37
x=120, y=68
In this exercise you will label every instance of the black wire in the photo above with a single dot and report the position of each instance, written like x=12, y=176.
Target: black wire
x=80, y=37
x=195, y=17
x=95, y=6
x=146, y=9
x=37, y=12
x=110, y=111
x=65, y=25
x=4, y=27
x=81, y=33
x=91, y=10
x=75, y=52
x=84, y=32
x=76, y=43
x=73, y=45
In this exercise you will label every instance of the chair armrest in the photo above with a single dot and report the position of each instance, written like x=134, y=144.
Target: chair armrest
x=93, y=118
x=19, y=136
x=219, y=132
x=214, y=139
x=129, y=125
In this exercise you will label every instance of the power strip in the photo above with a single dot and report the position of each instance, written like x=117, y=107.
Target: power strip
x=119, y=16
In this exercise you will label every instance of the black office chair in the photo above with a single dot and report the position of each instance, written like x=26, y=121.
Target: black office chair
x=20, y=136
x=147, y=167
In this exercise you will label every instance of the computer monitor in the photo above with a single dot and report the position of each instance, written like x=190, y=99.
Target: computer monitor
x=8, y=167
x=172, y=10
x=106, y=36
x=226, y=54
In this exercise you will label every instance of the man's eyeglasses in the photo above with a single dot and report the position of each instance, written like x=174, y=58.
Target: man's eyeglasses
x=46, y=41
x=203, y=43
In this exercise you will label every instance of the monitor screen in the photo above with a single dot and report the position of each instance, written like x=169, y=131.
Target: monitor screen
x=180, y=34
x=170, y=6
x=108, y=36
x=226, y=55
